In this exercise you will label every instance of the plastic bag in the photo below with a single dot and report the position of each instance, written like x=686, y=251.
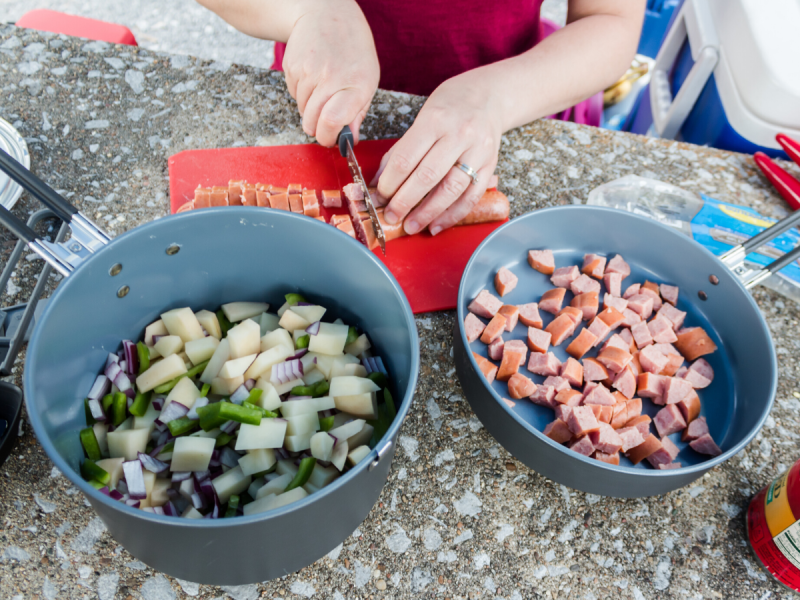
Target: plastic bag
x=716, y=225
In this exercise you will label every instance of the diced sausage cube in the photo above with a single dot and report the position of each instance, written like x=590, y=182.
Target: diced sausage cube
x=626, y=335
x=642, y=423
x=616, y=341
x=690, y=407
x=544, y=395
x=694, y=343
x=612, y=317
x=650, y=385
x=542, y=261
x=202, y=197
x=509, y=365
x=558, y=431
x=594, y=370
x=588, y=304
x=611, y=459
x=569, y=397
x=511, y=313
x=504, y=281
x=673, y=315
x=647, y=291
x=529, y=315
x=584, y=284
x=664, y=455
x=310, y=204
x=496, y=348
x=599, y=329
x=538, y=340
x=618, y=265
x=614, y=359
x=632, y=290
x=544, y=364
x=620, y=304
x=576, y=314
x=562, y=411
x=669, y=420
x=551, y=300
x=558, y=382
x=631, y=437
x=582, y=445
x=473, y=327
x=594, y=265
x=705, y=445
x=520, y=386
x=673, y=465
x=485, y=305
x=671, y=448
x=494, y=329
x=599, y=395
x=695, y=429
x=235, y=192
x=486, y=366
x=613, y=283
x=560, y=329
x=295, y=203
x=331, y=198
x=581, y=344
x=519, y=347
x=669, y=293
x=619, y=415
x=630, y=318
x=676, y=389
x=602, y=412
x=633, y=408
x=641, y=334
x=638, y=453
x=219, y=195
x=651, y=360
x=661, y=330
x=626, y=383
x=700, y=374
x=572, y=371
x=642, y=305
x=606, y=439
x=564, y=276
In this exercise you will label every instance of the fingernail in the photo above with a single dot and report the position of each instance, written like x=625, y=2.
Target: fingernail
x=411, y=227
x=390, y=217
x=435, y=230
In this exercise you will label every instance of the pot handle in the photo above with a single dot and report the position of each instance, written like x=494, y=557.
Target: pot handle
x=87, y=238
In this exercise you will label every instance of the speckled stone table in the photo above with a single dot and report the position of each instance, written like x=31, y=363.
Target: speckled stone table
x=459, y=517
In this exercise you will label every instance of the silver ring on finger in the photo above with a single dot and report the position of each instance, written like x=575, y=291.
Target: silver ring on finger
x=473, y=174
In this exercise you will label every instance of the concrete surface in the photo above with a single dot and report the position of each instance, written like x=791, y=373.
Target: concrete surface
x=459, y=517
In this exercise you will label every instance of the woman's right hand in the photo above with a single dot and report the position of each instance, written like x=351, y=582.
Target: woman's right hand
x=331, y=67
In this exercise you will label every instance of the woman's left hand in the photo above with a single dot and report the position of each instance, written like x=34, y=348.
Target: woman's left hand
x=460, y=122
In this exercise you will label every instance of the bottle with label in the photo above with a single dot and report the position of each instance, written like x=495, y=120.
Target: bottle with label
x=773, y=528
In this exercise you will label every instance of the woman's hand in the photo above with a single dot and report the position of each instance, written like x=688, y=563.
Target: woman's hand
x=460, y=122
x=331, y=68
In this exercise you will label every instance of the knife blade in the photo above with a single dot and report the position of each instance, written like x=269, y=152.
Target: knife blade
x=346, y=150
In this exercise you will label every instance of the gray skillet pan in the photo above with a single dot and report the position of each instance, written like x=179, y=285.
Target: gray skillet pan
x=735, y=404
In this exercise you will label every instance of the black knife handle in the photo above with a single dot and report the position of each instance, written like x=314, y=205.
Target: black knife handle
x=345, y=135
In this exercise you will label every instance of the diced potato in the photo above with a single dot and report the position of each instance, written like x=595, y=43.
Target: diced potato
x=275, y=486
x=158, y=497
x=348, y=385
x=364, y=406
x=186, y=488
x=298, y=443
x=291, y=321
x=348, y=430
x=324, y=362
x=185, y=392
x=279, y=337
x=168, y=345
x=147, y=419
x=286, y=467
x=270, y=400
x=113, y=466
x=360, y=345
x=154, y=354
x=256, y=485
x=233, y=481
x=149, y=483
x=362, y=437
x=338, y=322
x=303, y=424
x=256, y=461
x=312, y=314
x=322, y=445
x=244, y=339
x=357, y=455
x=192, y=453
x=164, y=456
x=166, y=370
x=287, y=387
x=340, y=452
x=354, y=369
x=313, y=376
x=330, y=340
x=225, y=387
x=209, y=321
x=341, y=418
x=239, y=311
x=310, y=489
x=127, y=444
x=269, y=434
x=322, y=476
x=125, y=425
x=214, y=433
x=266, y=359
x=284, y=307
x=155, y=328
x=271, y=502
x=191, y=513
x=268, y=322
x=236, y=367
x=297, y=334
x=183, y=322
x=307, y=361
x=340, y=364
x=201, y=350
x=221, y=355
x=186, y=360
x=293, y=408
x=100, y=432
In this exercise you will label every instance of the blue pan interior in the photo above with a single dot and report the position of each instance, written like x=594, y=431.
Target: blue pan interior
x=738, y=399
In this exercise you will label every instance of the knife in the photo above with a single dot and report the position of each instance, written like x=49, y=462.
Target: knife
x=346, y=150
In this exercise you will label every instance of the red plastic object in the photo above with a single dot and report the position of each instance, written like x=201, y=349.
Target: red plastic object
x=790, y=146
x=428, y=268
x=58, y=22
x=787, y=186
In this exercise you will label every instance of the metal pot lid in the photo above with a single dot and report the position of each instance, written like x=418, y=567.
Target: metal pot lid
x=13, y=143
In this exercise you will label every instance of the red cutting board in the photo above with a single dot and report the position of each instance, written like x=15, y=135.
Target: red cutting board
x=428, y=268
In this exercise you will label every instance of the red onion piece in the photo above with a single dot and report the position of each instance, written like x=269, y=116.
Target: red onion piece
x=313, y=329
x=178, y=476
x=158, y=403
x=278, y=374
x=174, y=410
x=170, y=510
x=379, y=364
x=122, y=487
x=199, y=403
x=152, y=464
x=96, y=408
x=111, y=360
x=250, y=384
x=200, y=476
x=100, y=388
x=297, y=398
x=134, y=477
x=240, y=395
x=104, y=490
x=214, y=462
x=132, y=503
x=115, y=495
x=199, y=501
x=230, y=426
x=158, y=510
x=229, y=457
x=299, y=353
x=131, y=357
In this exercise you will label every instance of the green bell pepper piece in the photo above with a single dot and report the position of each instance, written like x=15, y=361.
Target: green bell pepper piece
x=193, y=372
x=233, y=505
x=387, y=398
x=144, y=357
x=216, y=414
x=302, y=341
x=98, y=485
x=326, y=423
x=140, y=404
x=303, y=473
x=204, y=391
x=120, y=408
x=89, y=443
x=90, y=470
x=182, y=426
x=293, y=299
x=107, y=402
x=169, y=447
x=302, y=390
x=224, y=324
x=352, y=335
x=265, y=414
x=223, y=439
x=379, y=379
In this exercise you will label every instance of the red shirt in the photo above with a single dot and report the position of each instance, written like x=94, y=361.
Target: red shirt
x=422, y=43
